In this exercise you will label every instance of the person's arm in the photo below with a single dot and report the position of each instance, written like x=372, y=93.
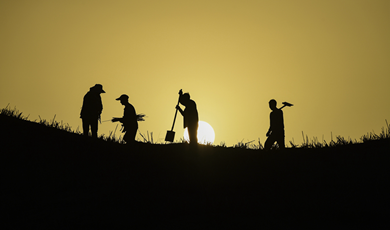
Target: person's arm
x=270, y=126
x=100, y=105
x=269, y=132
x=180, y=110
x=82, y=108
x=128, y=115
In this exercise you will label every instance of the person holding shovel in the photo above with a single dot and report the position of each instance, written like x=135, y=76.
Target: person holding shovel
x=276, y=128
x=190, y=117
x=129, y=120
x=91, y=109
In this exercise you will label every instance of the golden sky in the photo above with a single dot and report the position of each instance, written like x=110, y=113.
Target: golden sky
x=330, y=58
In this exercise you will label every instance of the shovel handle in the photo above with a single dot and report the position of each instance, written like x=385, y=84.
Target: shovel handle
x=174, y=119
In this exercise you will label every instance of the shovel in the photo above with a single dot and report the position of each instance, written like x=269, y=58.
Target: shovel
x=170, y=134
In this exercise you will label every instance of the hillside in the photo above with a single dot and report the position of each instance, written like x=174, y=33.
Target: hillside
x=59, y=180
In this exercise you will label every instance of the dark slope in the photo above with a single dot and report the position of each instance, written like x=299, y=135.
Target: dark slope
x=54, y=179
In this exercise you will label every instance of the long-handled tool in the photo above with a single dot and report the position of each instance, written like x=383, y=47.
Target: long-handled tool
x=286, y=104
x=170, y=134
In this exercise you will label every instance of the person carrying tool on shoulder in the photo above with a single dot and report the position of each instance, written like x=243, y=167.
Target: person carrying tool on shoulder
x=129, y=120
x=190, y=117
x=276, y=129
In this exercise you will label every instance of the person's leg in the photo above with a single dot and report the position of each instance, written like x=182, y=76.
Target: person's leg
x=94, y=127
x=269, y=142
x=281, y=143
x=280, y=140
x=133, y=133
x=126, y=137
x=85, y=126
x=129, y=136
x=193, y=134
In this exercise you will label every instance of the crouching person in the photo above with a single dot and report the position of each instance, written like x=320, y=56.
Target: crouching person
x=129, y=120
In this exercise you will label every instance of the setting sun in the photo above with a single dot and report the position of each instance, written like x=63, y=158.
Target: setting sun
x=206, y=133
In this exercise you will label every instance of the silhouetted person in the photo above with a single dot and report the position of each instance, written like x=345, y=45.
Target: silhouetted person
x=129, y=120
x=91, y=110
x=190, y=117
x=276, y=128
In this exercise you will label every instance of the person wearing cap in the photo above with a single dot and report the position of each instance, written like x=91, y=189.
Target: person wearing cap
x=190, y=117
x=92, y=109
x=129, y=119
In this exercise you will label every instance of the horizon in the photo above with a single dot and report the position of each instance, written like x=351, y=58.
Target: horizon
x=308, y=143
x=330, y=59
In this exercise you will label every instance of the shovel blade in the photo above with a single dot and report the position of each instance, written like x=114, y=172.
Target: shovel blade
x=170, y=136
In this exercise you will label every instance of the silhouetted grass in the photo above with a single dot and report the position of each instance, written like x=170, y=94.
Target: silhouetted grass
x=57, y=125
x=385, y=134
x=111, y=137
x=341, y=141
x=148, y=138
x=249, y=145
x=313, y=143
x=13, y=113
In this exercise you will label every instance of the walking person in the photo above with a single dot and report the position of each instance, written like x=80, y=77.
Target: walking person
x=276, y=129
x=91, y=110
x=190, y=117
x=129, y=120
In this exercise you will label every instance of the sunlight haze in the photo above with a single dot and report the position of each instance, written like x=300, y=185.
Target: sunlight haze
x=331, y=59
